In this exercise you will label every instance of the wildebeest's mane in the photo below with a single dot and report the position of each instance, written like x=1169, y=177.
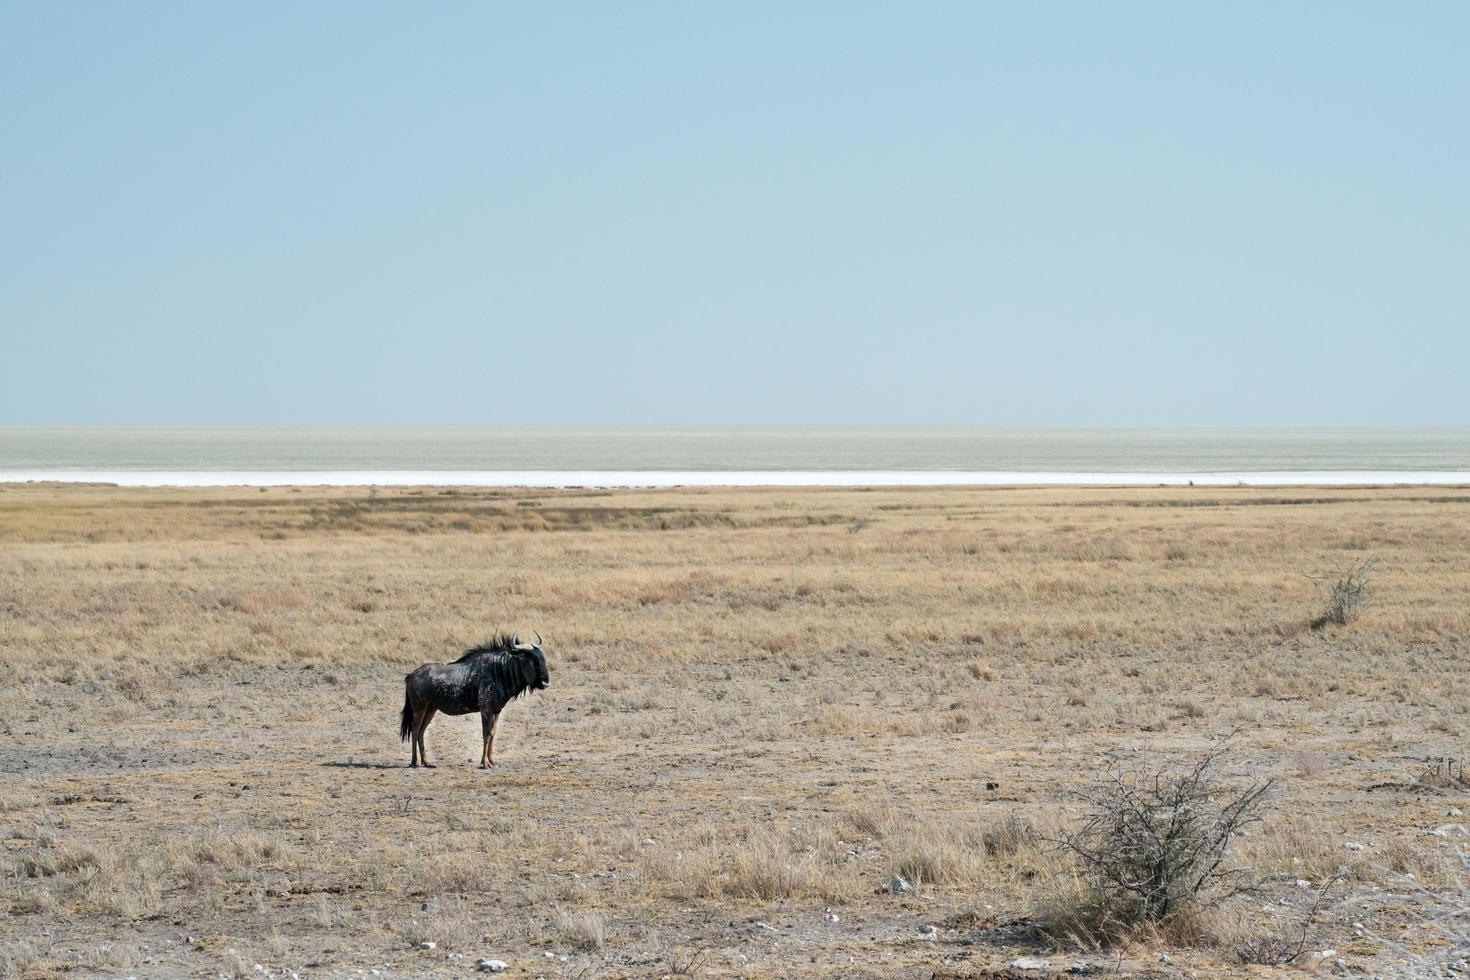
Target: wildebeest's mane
x=512, y=675
x=499, y=643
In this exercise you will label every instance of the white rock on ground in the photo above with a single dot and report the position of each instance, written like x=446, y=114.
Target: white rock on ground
x=491, y=966
x=899, y=886
x=1030, y=963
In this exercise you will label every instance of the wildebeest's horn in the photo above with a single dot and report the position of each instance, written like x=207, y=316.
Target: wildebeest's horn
x=538, y=637
x=515, y=639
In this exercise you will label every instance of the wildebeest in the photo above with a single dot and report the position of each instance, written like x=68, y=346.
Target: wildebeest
x=485, y=679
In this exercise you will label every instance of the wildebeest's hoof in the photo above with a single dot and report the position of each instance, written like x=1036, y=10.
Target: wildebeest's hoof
x=430, y=765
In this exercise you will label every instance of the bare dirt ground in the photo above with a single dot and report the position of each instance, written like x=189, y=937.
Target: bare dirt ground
x=764, y=704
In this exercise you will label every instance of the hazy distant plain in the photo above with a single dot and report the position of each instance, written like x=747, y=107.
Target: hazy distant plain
x=745, y=455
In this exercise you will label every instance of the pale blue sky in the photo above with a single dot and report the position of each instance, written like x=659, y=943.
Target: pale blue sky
x=1020, y=213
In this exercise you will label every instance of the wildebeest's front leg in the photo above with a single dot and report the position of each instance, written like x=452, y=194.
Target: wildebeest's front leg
x=487, y=732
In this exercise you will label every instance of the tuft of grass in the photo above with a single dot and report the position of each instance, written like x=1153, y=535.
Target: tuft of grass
x=583, y=930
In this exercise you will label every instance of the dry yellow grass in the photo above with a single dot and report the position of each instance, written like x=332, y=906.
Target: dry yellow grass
x=761, y=708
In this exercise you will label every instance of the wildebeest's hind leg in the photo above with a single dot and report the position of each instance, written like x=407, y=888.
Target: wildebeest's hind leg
x=413, y=737
x=487, y=732
x=428, y=716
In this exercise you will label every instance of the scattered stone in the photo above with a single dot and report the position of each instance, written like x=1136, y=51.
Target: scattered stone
x=1081, y=968
x=424, y=907
x=491, y=966
x=928, y=932
x=1164, y=958
x=1324, y=954
x=765, y=925
x=1352, y=845
x=898, y=886
x=1455, y=812
x=427, y=944
x=831, y=916
x=1303, y=883
x=649, y=842
x=1030, y=963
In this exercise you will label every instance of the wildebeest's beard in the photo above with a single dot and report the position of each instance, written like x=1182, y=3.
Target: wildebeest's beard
x=514, y=675
x=543, y=676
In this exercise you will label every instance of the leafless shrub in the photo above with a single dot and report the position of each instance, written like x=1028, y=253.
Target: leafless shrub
x=1346, y=595
x=684, y=961
x=859, y=524
x=1443, y=913
x=1444, y=772
x=1281, y=947
x=1153, y=847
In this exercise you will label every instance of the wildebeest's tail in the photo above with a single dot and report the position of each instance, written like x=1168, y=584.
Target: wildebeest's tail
x=407, y=724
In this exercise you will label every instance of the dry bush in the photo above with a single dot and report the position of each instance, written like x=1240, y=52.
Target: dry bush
x=1439, y=913
x=1152, y=852
x=1282, y=944
x=684, y=961
x=1346, y=595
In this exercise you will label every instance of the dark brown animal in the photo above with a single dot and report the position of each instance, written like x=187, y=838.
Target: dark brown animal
x=485, y=679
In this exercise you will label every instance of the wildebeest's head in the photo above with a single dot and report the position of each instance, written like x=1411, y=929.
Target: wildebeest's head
x=534, y=656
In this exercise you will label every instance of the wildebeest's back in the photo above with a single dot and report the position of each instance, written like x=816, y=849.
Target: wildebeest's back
x=448, y=687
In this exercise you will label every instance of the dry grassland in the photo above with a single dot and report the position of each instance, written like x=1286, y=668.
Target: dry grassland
x=764, y=704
